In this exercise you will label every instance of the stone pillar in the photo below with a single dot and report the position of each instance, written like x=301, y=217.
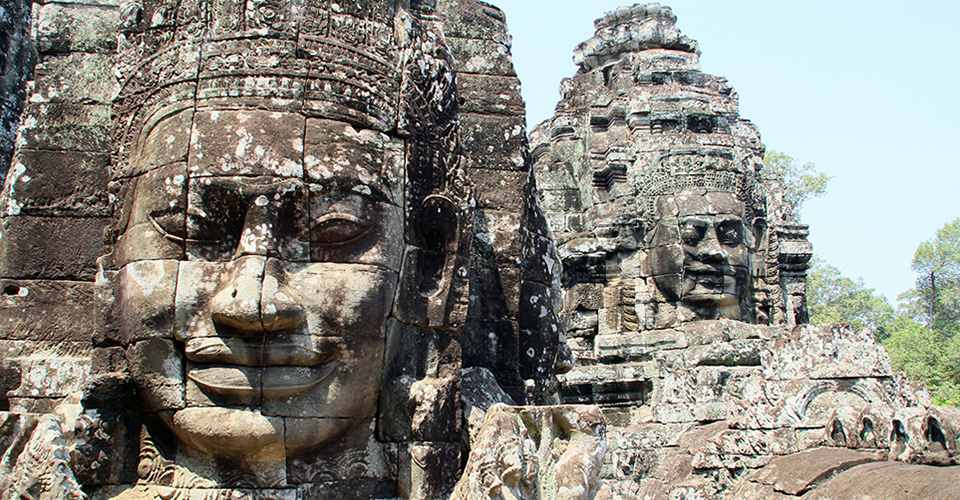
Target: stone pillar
x=795, y=254
x=55, y=203
x=513, y=261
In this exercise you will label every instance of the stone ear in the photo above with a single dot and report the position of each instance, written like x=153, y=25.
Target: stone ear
x=438, y=230
x=758, y=231
x=433, y=281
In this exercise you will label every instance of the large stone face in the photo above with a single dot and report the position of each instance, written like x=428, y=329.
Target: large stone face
x=273, y=218
x=274, y=203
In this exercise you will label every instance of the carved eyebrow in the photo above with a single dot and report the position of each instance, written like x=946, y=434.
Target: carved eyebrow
x=163, y=232
x=732, y=218
x=352, y=186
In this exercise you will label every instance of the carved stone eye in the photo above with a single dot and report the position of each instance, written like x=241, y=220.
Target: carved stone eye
x=170, y=225
x=202, y=230
x=730, y=232
x=692, y=232
x=337, y=229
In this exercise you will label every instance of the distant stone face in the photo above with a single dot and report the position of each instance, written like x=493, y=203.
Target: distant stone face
x=655, y=189
x=683, y=294
x=700, y=249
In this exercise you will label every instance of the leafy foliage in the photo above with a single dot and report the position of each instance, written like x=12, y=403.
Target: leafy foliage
x=801, y=181
x=936, y=300
x=833, y=298
x=919, y=352
x=923, y=336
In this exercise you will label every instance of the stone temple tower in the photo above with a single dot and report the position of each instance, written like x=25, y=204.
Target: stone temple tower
x=640, y=121
x=683, y=278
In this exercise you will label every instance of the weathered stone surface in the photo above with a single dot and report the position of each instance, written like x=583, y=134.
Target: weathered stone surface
x=484, y=56
x=46, y=310
x=57, y=248
x=75, y=28
x=58, y=183
x=49, y=376
x=479, y=392
x=499, y=141
x=16, y=67
x=77, y=77
x=36, y=459
x=219, y=137
x=476, y=20
x=891, y=480
x=535, y=452
x=66, y=127
x=490, y=94
x=819, y=352
x=797, y=474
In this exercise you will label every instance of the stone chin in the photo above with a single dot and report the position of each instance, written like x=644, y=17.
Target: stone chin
x=249, y=436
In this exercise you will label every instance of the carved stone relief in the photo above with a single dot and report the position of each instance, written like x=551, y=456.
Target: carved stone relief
x=294, y=250
x=683, y=291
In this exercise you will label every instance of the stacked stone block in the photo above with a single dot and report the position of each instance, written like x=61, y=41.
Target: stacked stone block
x=512, y=328
x=56, y=203
x=17, y=57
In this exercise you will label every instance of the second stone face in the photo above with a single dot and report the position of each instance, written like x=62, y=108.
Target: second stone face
x=654, y=187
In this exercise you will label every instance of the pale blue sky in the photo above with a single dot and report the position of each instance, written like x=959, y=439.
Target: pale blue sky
x=867, y=90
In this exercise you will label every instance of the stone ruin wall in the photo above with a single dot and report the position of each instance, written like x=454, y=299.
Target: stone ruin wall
x=513, y=259
x=694, y=410
x=56, y=203
x=58, y=207
x=758, y=406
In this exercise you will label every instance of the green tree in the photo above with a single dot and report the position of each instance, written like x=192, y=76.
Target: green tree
x=834, y=298
x=924, y=340
x=936, y=299
x=920, y=353
x=914, y=350
x=801, y=180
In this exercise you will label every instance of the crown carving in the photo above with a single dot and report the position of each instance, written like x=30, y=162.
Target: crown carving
x=322, y=58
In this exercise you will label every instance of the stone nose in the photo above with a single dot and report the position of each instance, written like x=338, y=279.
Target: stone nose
x=280, y=307
x=254, y=298
x=259, y=235
x=709, y=249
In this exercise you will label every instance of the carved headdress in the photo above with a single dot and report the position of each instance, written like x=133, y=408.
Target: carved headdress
x=368, y=62
x=376, y=64
x=675, y=173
